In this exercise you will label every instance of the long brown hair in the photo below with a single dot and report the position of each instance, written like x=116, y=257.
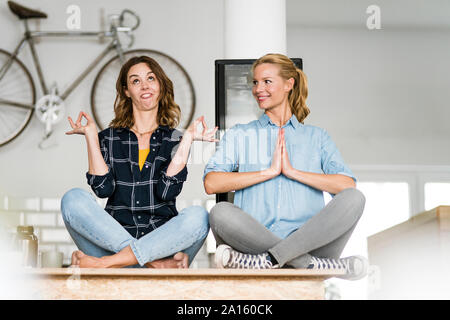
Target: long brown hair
x=168, y=111
x=299, y=93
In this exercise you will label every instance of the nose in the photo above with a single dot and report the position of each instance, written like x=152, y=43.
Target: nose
x=145, y=85
x=258, y=87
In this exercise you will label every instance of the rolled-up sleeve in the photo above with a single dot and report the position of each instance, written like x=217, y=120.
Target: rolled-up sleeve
x=225, y=159
x=169, y=187
x=332, y=161
x=103, y=186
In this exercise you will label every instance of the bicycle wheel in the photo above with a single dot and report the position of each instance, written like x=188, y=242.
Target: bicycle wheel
x=17, y=98
x=103, y=91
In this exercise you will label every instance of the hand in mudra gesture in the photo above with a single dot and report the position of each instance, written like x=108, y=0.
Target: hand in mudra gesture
x=286, y=166
x=79, y=128
x=203, y=135
x=280, y=159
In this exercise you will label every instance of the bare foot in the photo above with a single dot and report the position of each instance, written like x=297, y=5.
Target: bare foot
x=82, y=260
x=75, y=258
x=180, y=260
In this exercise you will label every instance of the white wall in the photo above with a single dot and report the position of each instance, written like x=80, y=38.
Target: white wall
x=189, y=31
x=382, y=94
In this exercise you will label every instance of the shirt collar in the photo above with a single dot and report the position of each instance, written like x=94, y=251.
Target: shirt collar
x=264, y=120
x=294, y=122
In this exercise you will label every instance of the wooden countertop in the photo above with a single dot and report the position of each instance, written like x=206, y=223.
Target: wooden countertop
x=211, y=272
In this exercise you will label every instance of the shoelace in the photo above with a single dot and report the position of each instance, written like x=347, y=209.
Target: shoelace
x=241, y=260
x=326, y=263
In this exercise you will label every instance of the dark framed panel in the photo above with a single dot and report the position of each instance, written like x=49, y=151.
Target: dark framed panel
x=234, y=100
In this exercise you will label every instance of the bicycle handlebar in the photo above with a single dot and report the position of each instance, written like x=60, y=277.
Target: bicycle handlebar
x=117, y=24
x=122, y=16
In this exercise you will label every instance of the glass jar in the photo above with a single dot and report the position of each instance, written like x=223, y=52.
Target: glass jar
x=27, y=242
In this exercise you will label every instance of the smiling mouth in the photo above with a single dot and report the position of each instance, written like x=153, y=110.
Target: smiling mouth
x=262, y=98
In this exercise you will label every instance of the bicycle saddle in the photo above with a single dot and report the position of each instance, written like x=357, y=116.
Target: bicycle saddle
x=25, y=13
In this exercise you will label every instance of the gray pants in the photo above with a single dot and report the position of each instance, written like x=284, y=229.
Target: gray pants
x=324, y=235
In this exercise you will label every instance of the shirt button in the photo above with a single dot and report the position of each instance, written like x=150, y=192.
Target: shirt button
x=154, y=137
x=153, y=149
x=139, y=217
x=137, y=182
x=142, y=233
x=146, y=166
x=137, y=202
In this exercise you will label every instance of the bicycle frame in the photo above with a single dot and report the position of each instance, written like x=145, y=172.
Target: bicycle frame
x=29, y=37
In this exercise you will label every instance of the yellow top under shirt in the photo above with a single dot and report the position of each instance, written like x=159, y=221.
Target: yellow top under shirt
x=143, y=153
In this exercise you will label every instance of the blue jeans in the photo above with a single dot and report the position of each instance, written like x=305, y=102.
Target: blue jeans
x=98, y=234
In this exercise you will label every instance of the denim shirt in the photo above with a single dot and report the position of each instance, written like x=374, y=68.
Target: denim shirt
x=280, y=204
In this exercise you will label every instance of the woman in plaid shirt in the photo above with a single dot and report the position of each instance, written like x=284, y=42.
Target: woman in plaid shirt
x=139, y=164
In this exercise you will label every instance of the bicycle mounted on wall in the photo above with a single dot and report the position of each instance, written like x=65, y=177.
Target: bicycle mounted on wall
x=18, y=92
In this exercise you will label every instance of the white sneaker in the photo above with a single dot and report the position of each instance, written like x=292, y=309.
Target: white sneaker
x=227, y=257
x=356, y=267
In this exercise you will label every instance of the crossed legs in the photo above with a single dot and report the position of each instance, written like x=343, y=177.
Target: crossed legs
x=103, y=242
x=324, y=235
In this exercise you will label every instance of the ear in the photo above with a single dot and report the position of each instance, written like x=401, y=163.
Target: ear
x=289, y=84
x=127, y=93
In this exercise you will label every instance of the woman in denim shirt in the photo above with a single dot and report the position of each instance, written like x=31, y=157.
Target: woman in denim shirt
x=279, y=168
x=139, y=164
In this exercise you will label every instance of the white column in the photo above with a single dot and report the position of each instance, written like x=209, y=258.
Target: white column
x=254, y=28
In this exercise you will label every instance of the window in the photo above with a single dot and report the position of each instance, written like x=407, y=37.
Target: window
x=436, y=194
x=387, y=204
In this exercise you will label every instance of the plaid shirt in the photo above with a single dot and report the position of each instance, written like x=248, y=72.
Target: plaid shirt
x=140, y=201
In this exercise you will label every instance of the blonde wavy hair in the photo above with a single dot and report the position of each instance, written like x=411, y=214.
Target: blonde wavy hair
x=299, y=93
x=169, y=112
